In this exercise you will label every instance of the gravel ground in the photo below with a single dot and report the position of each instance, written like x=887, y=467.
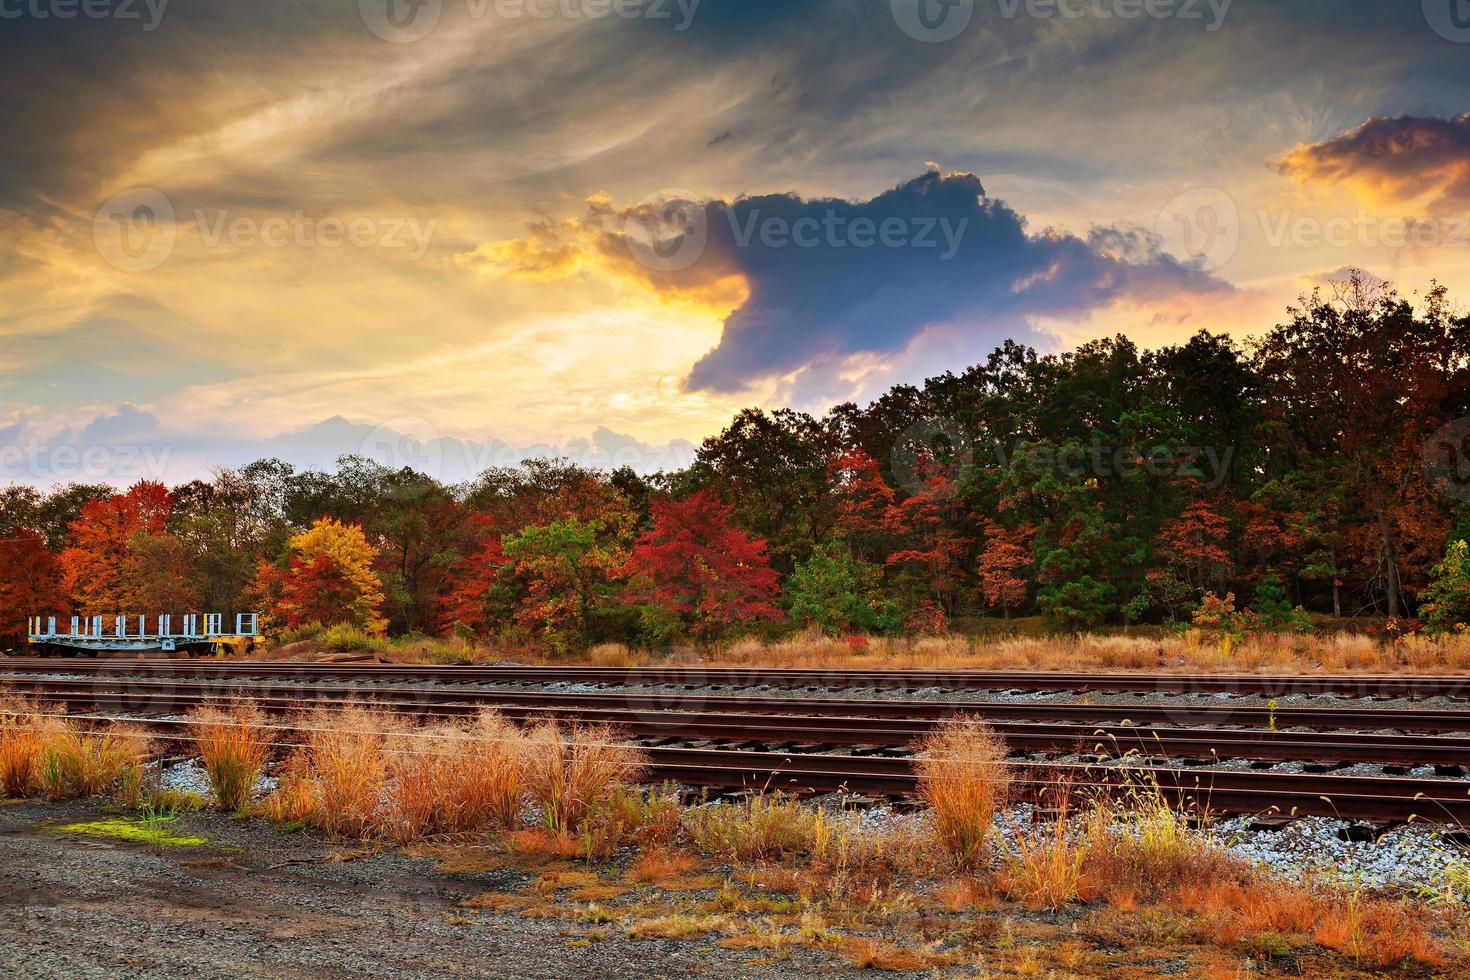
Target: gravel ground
x=283, y=907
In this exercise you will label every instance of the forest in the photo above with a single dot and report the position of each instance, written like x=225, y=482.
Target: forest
x=1321, y=469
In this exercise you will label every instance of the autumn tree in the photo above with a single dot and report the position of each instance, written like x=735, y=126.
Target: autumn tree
x=99, y=572
x=326, y=577
x=695, y=565
x=1006, y=556
x=929, y=544
x=30, y=583
x=1196, y=544
x=469, y=601
x=569, y=573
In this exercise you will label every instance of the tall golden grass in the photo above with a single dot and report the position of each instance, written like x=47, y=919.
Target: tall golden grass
x=964, y=778
x=570, y=771
x=1190, y=652
x=43, y=753
x=234, y=744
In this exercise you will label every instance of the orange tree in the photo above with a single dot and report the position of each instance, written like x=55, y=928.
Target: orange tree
x=326, y=577
x=105, y=568
x=30, y=583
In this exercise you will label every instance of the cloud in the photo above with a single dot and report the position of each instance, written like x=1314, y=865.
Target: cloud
x=826, y=279
x=1393, y=160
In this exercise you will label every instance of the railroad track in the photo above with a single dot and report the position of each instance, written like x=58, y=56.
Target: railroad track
x=785, y=721
x=1264, y=685
x=745, y=730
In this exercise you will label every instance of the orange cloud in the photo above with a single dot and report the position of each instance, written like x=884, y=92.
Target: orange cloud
x=1392, y=160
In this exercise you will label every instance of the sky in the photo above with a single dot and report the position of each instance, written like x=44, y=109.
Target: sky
x=455, y=233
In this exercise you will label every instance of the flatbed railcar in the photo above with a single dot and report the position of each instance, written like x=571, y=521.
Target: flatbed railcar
x=192, y=635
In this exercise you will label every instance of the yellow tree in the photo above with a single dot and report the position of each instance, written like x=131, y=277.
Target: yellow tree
x=326, y=577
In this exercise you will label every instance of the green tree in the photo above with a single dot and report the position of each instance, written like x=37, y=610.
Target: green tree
x=834, y=591
x=1445, y=604
x=569, y=572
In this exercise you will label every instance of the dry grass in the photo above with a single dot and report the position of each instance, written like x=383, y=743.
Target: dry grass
x=89, y=761
x=235, y=747
x=964, y=778
x=453, y=779
x=1191, y=652
x=759, y=827
x=1045, y=872
x=25, y=728
x=363, y=772
x=570, y=771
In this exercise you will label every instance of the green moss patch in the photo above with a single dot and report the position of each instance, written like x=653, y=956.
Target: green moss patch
x=159, y=833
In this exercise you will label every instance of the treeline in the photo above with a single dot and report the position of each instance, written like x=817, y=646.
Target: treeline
x=1319, y=466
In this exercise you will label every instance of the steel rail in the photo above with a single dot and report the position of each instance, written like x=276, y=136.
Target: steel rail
x=132, y=692
x=1347, y=685
x=840, y=729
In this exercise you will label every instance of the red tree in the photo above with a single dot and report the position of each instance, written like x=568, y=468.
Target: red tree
x=95, y=565
x=1195, y=543
x=472, y=578
x=931, y=545
x=1007, y=554
x=696, y=566
x=30, y=583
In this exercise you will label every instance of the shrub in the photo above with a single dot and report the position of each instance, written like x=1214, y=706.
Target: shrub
x=234, y=747
x=964, y=778
x=764, y=826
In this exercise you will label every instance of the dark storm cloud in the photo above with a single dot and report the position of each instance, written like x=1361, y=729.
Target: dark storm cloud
x=829, y=277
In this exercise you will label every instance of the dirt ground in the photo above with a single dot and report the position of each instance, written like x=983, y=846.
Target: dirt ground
x=255, y=902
